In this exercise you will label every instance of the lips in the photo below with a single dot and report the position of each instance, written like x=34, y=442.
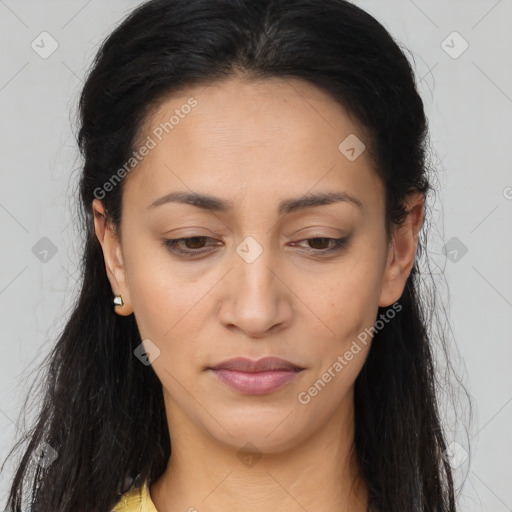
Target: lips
x=243, y=364
x=259, y=377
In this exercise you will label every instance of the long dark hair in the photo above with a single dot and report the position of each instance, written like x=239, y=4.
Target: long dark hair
x=102, y=410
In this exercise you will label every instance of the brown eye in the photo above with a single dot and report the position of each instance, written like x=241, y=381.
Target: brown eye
x=323, y=245
x=195, y=242
x=315, y=242
x=188, y=246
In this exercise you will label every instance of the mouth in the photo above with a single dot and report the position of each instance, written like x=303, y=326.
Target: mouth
x=256, y=377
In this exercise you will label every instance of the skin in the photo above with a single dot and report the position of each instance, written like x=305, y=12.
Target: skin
x=256, y=144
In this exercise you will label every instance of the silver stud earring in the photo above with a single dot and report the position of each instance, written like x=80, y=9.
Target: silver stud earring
x=118, y=300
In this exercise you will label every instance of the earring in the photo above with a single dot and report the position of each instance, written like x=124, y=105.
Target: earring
x=118, y=300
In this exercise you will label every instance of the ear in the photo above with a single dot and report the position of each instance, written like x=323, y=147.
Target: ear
x=113, y=257
x=402, y=250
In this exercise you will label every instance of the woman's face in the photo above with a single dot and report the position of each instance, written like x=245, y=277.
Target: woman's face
x=265, y=277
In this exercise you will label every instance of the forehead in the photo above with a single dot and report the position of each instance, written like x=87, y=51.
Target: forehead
x=272, y=138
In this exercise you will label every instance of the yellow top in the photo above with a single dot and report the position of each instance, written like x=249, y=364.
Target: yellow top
x=136, y=499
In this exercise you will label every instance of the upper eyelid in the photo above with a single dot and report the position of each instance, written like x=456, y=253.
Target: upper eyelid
x=310, y=237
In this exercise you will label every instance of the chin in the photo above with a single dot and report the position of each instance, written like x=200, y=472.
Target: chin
x=273, y=434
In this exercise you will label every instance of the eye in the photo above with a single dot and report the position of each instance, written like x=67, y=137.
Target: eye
x=333, y=244
x=195, y=245
x=196, y=242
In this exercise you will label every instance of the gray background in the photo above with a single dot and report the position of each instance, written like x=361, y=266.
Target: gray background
x=468, y=98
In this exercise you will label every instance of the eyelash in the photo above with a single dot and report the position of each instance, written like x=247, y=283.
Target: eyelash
x=171, y=245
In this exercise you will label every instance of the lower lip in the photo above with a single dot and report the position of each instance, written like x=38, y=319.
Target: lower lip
x=256, y=383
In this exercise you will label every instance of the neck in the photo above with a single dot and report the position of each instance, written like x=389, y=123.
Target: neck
x=320, y=473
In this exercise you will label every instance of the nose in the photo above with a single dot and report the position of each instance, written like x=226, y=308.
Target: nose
x=258, y=299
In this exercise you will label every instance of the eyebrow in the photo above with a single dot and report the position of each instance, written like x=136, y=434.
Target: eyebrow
x=216, y=204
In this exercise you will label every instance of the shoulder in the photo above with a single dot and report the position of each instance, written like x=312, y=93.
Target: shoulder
x=130, y=501
x=136, y=499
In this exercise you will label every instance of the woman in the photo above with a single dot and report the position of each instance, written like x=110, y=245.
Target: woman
x=249, y=330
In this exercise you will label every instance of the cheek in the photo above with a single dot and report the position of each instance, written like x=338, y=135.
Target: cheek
x=350, y=311
x=349, y=301
x=159, y=295
x=169, y=310
x=154, y=302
